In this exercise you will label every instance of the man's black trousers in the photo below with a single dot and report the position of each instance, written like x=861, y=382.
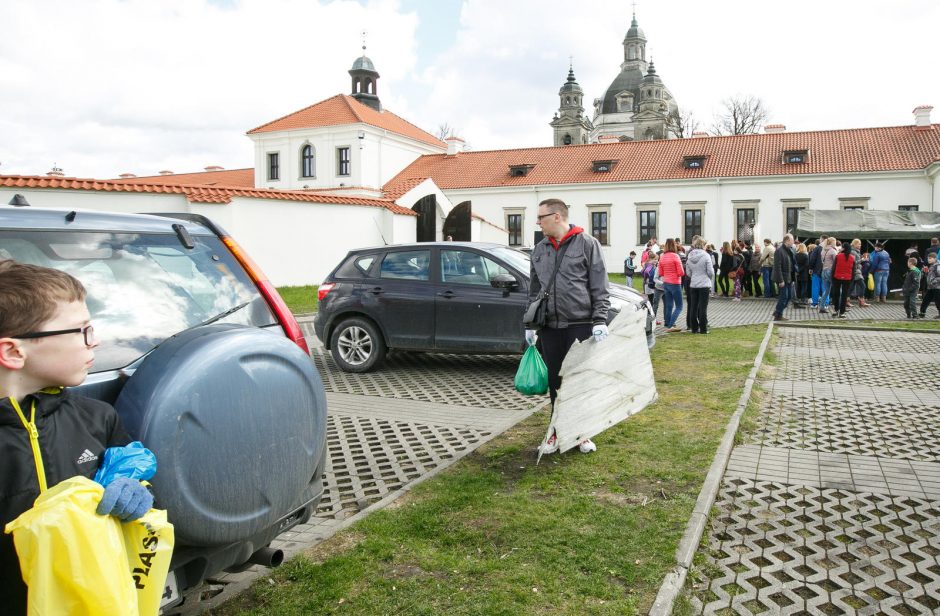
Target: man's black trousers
x=554, y=345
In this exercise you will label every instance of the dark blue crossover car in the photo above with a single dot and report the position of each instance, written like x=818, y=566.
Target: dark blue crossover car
x=447, y=297
x=205, y=364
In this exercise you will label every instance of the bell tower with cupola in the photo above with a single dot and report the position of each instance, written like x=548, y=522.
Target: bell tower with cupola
x=570, y=125
x=365, y=81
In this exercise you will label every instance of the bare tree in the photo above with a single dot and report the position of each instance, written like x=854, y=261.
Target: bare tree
x=681, y=124
x=742, y=115
x=444, y=130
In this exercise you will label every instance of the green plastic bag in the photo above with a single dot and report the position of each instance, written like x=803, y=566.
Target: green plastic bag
x=532, y=375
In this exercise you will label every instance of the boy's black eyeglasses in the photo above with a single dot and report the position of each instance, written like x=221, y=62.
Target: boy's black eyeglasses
x=541, y=216
x=88, y=332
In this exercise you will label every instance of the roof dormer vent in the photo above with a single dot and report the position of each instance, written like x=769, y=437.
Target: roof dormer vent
x=603, y=166
x=520, y=170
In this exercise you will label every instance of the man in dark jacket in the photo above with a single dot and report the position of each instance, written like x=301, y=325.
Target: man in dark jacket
x=815, y=268
x=47, y=342
x=783, y=275
x=578, y=300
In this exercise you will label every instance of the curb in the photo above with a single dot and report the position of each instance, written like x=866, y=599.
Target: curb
x=864, y=328
x=675, y=580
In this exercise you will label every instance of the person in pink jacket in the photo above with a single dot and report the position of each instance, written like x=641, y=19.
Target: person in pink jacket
x=670, y=268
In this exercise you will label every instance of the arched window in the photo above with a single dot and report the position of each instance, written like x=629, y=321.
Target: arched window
x=308, y=167
x=632, y=52
x=369, y=87
x=567, y=139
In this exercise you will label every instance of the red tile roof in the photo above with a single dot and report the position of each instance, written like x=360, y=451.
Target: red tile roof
x=862, y=150
x=401, y=186
x=194, y=193
x=242, y=178
x=342, y=109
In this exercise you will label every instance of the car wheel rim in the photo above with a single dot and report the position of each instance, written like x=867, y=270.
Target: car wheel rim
x=354, y=345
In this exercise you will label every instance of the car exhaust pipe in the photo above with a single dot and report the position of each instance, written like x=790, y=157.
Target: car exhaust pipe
x=267, y=557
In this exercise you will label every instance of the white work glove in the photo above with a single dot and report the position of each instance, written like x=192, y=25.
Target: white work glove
x=531, y=336
x=600, y=332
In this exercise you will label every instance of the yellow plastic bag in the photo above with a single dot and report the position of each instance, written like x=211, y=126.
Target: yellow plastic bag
x=75, y=561
x=870, y=283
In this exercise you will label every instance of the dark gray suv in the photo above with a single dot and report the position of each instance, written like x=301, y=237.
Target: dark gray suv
x=204, y=364
x=448, y=297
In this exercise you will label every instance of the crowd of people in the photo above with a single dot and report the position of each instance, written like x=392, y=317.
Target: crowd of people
x=827, y=275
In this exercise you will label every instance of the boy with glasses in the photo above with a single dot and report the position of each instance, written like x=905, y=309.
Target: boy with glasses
x=47, y=433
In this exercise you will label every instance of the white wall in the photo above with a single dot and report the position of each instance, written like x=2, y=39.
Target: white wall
x=375, y=159
x=886, y=192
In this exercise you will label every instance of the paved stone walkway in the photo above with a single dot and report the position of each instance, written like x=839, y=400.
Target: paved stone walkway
x=831, y=504
x=723, y=312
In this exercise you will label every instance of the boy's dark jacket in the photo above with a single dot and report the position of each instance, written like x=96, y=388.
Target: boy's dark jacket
x=68, y=425
x=911, y=282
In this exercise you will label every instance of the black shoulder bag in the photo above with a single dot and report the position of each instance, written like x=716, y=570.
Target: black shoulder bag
x=536, y=315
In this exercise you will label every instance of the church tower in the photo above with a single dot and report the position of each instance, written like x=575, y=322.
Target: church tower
x=570, y=124
x=365, y=82
x=632, y=106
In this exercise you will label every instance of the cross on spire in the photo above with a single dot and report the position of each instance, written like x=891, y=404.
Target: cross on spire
x=363, y=42
x=634, y=8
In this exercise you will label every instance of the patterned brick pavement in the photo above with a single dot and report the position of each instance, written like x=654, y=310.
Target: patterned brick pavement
x=831, y=504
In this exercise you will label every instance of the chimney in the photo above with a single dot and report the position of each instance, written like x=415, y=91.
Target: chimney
x=698, y=134
x=455, y=145
x=775, y=128
x=127, y=176
x=55, y=172
x=166, y=172
x=214, y=168
x=607, y=139
x=922, y=116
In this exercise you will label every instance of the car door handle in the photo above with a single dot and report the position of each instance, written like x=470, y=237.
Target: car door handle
x=376, y=290
x=448, y=294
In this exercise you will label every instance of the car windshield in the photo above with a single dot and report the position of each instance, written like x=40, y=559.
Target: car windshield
x=515, y=258
x=143, y=288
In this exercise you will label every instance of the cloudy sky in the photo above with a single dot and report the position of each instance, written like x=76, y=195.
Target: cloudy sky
x=102, y=87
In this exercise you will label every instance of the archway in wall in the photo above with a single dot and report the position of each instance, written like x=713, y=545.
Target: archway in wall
x=457, y=223
x=426, y=208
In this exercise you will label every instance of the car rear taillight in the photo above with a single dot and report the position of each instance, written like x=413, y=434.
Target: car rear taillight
x=270, y=294
x=325, y=288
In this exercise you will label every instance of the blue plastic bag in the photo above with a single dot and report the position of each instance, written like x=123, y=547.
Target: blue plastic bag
x=532, y=375
x=133, y=461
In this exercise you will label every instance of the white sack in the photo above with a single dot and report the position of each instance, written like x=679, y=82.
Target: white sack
x=603, y=383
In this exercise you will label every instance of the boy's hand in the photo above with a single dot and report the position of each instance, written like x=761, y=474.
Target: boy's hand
x=125, y=499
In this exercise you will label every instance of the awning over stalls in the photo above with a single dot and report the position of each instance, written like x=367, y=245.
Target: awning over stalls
x=868, y=224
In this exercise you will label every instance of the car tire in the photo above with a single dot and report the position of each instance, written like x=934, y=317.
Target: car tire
x=357, y=345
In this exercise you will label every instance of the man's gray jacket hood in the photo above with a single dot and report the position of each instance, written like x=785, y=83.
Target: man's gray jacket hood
x=579, y=294
x=699, y=268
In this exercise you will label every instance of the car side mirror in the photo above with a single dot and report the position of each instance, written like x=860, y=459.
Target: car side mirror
x=507, y=282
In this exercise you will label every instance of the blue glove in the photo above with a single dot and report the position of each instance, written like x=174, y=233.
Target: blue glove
x=531, y=336
x=600, y=332
x=125, y=499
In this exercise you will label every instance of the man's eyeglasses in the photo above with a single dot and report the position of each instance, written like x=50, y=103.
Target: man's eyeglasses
x=88, y=332
x=540, y=217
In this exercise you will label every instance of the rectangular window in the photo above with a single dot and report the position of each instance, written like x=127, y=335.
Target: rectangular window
x=692, y=225
x=853, y=203
x=693, y=162
x=342, y=161
x=908, y=208
x=599, y=227
x=794, y=157
x=793, y=215
x=274, y=166
x=514, y=225
x=745, y=219
x=647, y=225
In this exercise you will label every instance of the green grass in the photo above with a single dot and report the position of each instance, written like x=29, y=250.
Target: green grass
x=621, y=279
x=495, y=534
x=300, y=300
x=877, y=324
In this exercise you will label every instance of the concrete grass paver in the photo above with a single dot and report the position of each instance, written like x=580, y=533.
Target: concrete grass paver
x=832, y=504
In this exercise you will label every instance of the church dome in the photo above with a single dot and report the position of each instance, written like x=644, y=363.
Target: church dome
x=651, y=76
x=363, y=63
x=635, y=31
x=629, y=79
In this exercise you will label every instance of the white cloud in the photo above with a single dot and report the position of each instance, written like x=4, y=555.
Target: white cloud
x=106, y=86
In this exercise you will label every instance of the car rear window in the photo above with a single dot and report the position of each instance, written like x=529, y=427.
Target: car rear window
x=356, y=266
x=143, y=288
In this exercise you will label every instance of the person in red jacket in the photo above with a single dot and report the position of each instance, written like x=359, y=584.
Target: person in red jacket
x=842, y=271
x=671, y=271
